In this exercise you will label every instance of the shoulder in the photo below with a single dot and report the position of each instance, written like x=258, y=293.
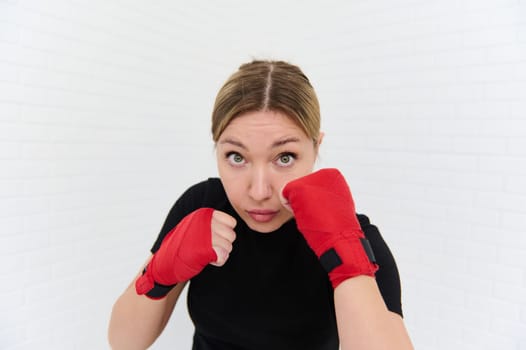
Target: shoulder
x=202, y=194
x=202, y=187
x=387, y=276
x=208, y=193
x=380, y=247
x=363, y=219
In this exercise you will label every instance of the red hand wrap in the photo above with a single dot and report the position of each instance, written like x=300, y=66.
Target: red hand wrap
x=184, y=252
x=324, y=210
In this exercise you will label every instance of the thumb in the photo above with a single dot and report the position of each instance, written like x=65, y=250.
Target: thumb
x=284, y=201
x=222, y=256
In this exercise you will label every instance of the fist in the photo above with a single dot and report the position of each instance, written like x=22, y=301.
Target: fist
x=320, y=200
x=223, y=235
x=324, y=210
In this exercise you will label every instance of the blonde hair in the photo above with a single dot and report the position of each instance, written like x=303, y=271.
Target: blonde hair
x=267, y=86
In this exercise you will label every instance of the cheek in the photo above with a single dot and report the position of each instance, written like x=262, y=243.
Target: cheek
x=233, y=187
x=226, y=174
x=304, y=168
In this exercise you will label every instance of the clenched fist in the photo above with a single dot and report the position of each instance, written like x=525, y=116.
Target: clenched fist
x=203, y=237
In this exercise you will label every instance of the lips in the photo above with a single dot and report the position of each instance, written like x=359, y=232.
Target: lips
x=262, y=215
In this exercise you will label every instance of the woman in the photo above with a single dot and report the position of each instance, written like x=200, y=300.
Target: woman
x=276, y=256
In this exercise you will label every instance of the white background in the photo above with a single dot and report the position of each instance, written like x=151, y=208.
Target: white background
x=104, y=121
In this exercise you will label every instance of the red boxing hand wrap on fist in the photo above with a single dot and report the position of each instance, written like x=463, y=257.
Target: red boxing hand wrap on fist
x=184, y=252
x=324, y=210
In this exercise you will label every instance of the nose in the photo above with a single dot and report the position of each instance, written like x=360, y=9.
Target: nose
x=260, y=186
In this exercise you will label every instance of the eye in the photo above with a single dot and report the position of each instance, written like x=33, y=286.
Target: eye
x=286, y=159
x=235, y=159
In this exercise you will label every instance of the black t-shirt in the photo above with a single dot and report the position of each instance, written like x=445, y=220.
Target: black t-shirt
x=272, y=292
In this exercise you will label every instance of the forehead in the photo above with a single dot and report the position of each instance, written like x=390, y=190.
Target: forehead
x=272, y=124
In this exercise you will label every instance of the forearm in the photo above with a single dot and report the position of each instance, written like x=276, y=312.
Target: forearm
x=136, y=320
x=364, y=322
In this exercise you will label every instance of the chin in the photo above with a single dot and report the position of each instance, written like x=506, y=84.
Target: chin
x=263, y=228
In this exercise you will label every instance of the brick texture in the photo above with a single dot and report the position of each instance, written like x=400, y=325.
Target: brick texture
x=104, y=121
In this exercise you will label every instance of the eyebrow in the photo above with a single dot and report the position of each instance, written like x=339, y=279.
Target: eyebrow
x=276, y=144
x=284, y=141
x=233, y=142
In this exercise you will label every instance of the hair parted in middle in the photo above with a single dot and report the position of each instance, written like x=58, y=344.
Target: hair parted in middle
x=266, y=85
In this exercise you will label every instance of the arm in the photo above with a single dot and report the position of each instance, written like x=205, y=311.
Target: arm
x=362, y=316
x=136, y=320
x=334, y=234
x=139, y=316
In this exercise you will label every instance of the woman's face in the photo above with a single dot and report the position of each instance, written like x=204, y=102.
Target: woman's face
x=257, y=154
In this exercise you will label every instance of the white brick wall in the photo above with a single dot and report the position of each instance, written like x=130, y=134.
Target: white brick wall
x=424, y=107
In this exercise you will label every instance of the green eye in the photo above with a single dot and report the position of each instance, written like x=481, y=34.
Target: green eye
x=286, y=159
x=235, y=158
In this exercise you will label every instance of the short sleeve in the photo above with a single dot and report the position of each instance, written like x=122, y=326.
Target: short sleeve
x=387, y=276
